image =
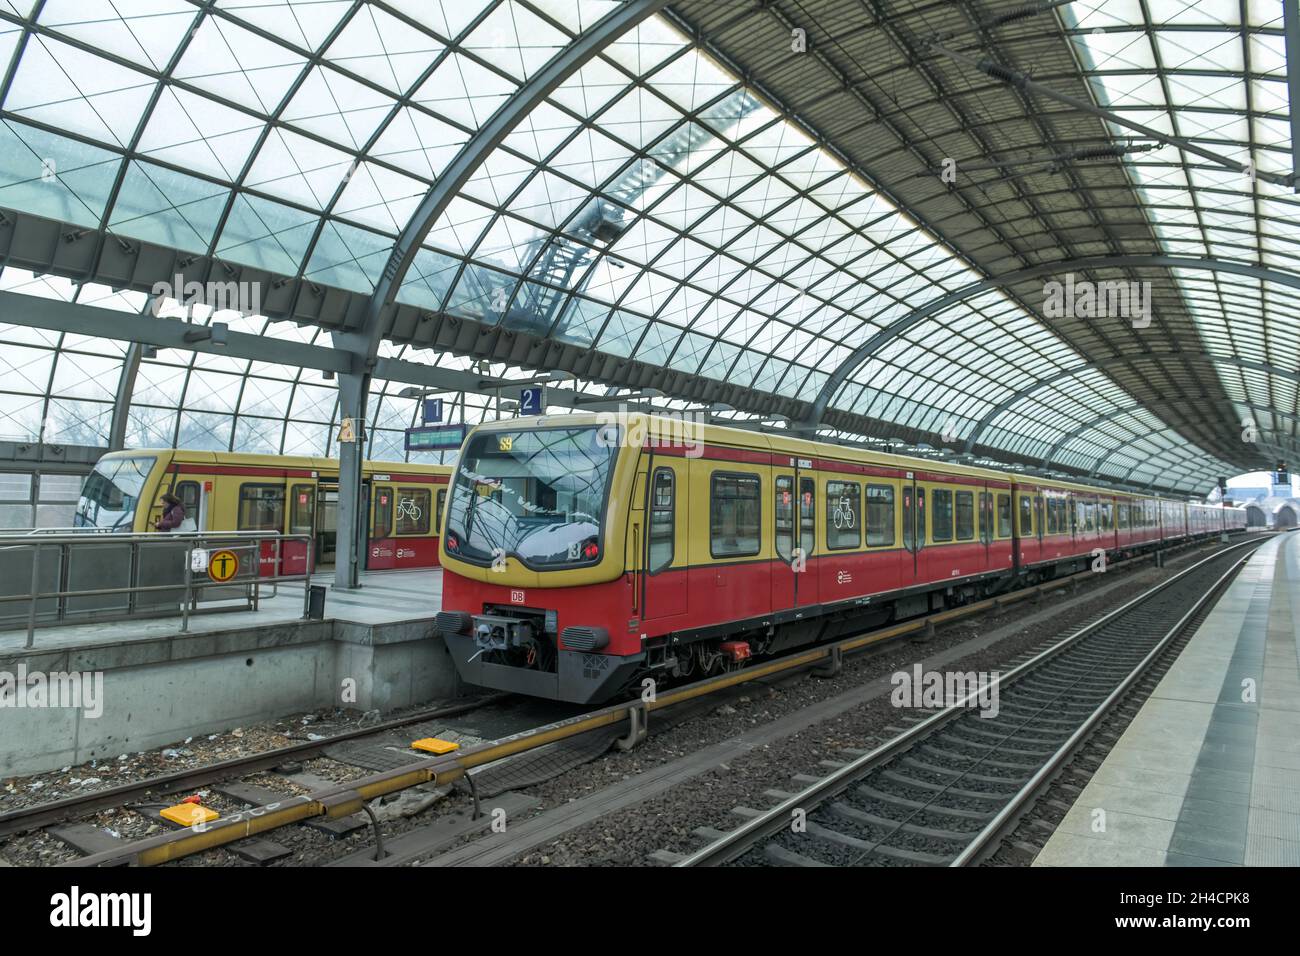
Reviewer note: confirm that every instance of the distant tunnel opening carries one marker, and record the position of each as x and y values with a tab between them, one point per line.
1286	517
1255	517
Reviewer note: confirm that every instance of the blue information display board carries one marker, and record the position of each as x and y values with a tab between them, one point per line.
532	400
435	437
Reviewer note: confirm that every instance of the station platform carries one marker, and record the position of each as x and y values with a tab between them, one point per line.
1208	773
145	683
385	597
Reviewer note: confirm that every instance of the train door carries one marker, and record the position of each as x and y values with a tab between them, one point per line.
327	522
986	525
785	570
295	557
381	548
665	578
911	571
807	585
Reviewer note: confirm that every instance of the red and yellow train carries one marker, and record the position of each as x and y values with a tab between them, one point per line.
287	495
581	556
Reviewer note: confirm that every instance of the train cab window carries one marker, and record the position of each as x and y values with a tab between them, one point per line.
261	507
733	515
437	515
941	515
302	504
880	515
843	515
414	510
662	519
1026	516
382	526
1004	516
965	515
807	515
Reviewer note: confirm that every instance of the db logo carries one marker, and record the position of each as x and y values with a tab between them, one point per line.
516	597
844	577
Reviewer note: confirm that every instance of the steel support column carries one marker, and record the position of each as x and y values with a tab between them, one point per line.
122	399
1291	28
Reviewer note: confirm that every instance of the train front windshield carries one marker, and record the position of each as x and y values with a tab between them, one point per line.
538	495
111	493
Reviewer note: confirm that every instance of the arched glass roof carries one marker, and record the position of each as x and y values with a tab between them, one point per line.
656	207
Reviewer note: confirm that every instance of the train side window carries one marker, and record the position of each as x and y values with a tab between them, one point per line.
1122	509
302	503
1004	516
413	510
1053	525
1026	516
843	515
880	515
941	515
785	517
662	519
382	526
734	515
965	515
986	517
261	507
920	518
807	515
437	517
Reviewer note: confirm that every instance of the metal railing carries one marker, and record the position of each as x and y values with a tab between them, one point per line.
75	577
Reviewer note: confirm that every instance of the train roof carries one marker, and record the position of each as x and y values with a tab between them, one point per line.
190	456
667	427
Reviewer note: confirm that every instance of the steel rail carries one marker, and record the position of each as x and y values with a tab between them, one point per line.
348	798
1030	790
739	841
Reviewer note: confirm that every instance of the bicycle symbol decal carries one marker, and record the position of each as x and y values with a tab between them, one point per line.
843	515
407	508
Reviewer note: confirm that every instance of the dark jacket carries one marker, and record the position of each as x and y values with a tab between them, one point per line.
171	518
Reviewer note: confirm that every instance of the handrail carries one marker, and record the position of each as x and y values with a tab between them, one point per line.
189	586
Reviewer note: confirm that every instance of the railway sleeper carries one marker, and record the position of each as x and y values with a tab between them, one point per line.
991	740
913	857
957	757
1005	784
871	793
973	734
898	826
926	786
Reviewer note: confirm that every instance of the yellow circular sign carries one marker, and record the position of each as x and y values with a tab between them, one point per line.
222	566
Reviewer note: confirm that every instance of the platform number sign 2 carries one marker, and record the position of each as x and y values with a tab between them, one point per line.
532	400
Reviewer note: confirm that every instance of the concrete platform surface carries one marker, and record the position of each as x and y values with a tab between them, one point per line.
1208	773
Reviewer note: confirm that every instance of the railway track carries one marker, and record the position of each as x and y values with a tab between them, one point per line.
949	790
347	800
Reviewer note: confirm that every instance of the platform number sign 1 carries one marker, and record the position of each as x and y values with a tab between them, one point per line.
532	400
432	411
